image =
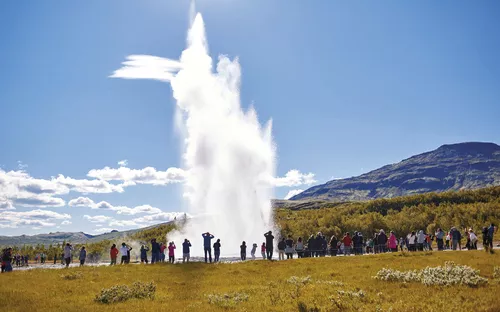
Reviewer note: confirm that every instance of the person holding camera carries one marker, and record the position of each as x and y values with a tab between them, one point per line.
207	237
186	250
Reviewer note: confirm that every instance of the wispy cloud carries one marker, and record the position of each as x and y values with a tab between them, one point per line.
295	178
292	193
147	67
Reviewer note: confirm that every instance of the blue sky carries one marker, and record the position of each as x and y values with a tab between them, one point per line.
350	86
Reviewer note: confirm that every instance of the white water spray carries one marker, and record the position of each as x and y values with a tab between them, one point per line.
228	156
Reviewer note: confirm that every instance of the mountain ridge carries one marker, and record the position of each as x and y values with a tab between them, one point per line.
450	167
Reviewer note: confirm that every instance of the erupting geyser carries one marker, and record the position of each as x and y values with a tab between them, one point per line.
228	156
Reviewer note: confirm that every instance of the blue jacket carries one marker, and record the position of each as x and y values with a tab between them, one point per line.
185	247
207	239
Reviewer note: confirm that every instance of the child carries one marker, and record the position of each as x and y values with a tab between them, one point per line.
171	255
263	251
243	251
254	249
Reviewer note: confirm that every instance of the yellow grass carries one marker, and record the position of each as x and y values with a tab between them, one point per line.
185	287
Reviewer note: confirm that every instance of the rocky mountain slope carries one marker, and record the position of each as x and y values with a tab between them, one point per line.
451	167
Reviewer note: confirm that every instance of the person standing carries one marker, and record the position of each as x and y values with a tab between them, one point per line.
289	247
243	251
269	244
333	246
207	238
162	252
67	254
113	254
473	239
393	242
439	238
185	250
254	249
144	254
171	252
347	240
492	229
83	256
299	248
217	250
155	251
124	251
456	239
281	249
263	250
7	260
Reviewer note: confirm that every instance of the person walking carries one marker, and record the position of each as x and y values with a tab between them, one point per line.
186	250
243	251
207	237
217	250
269	244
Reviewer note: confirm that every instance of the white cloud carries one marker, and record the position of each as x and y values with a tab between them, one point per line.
66	222
38	217
148	175
88	186
292	193
122	223
295	178
101	230
147	67
97	219
162	217
81	202
123	210
136	210
123	163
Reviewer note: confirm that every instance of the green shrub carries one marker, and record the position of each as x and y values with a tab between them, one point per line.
230	300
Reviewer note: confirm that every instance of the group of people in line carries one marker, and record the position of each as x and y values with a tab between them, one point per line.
315	246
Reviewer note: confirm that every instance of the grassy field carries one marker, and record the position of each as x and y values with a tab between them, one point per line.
261	286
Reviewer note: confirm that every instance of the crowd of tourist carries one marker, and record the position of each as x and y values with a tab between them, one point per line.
314	246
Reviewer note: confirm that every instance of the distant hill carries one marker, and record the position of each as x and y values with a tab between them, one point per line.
451	167
73	237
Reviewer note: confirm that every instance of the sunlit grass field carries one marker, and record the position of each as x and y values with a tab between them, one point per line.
259	286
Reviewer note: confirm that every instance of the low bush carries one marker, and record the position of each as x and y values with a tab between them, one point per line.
121	293
226	301
447	275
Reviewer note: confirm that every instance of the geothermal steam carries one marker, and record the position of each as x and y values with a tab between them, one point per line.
228	157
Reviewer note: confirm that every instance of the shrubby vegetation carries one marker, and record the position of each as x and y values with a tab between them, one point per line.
402	214
447	275
120	293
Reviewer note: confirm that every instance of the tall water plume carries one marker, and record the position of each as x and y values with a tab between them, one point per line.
228	156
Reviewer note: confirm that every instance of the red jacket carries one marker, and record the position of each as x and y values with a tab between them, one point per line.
347	241
113	253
